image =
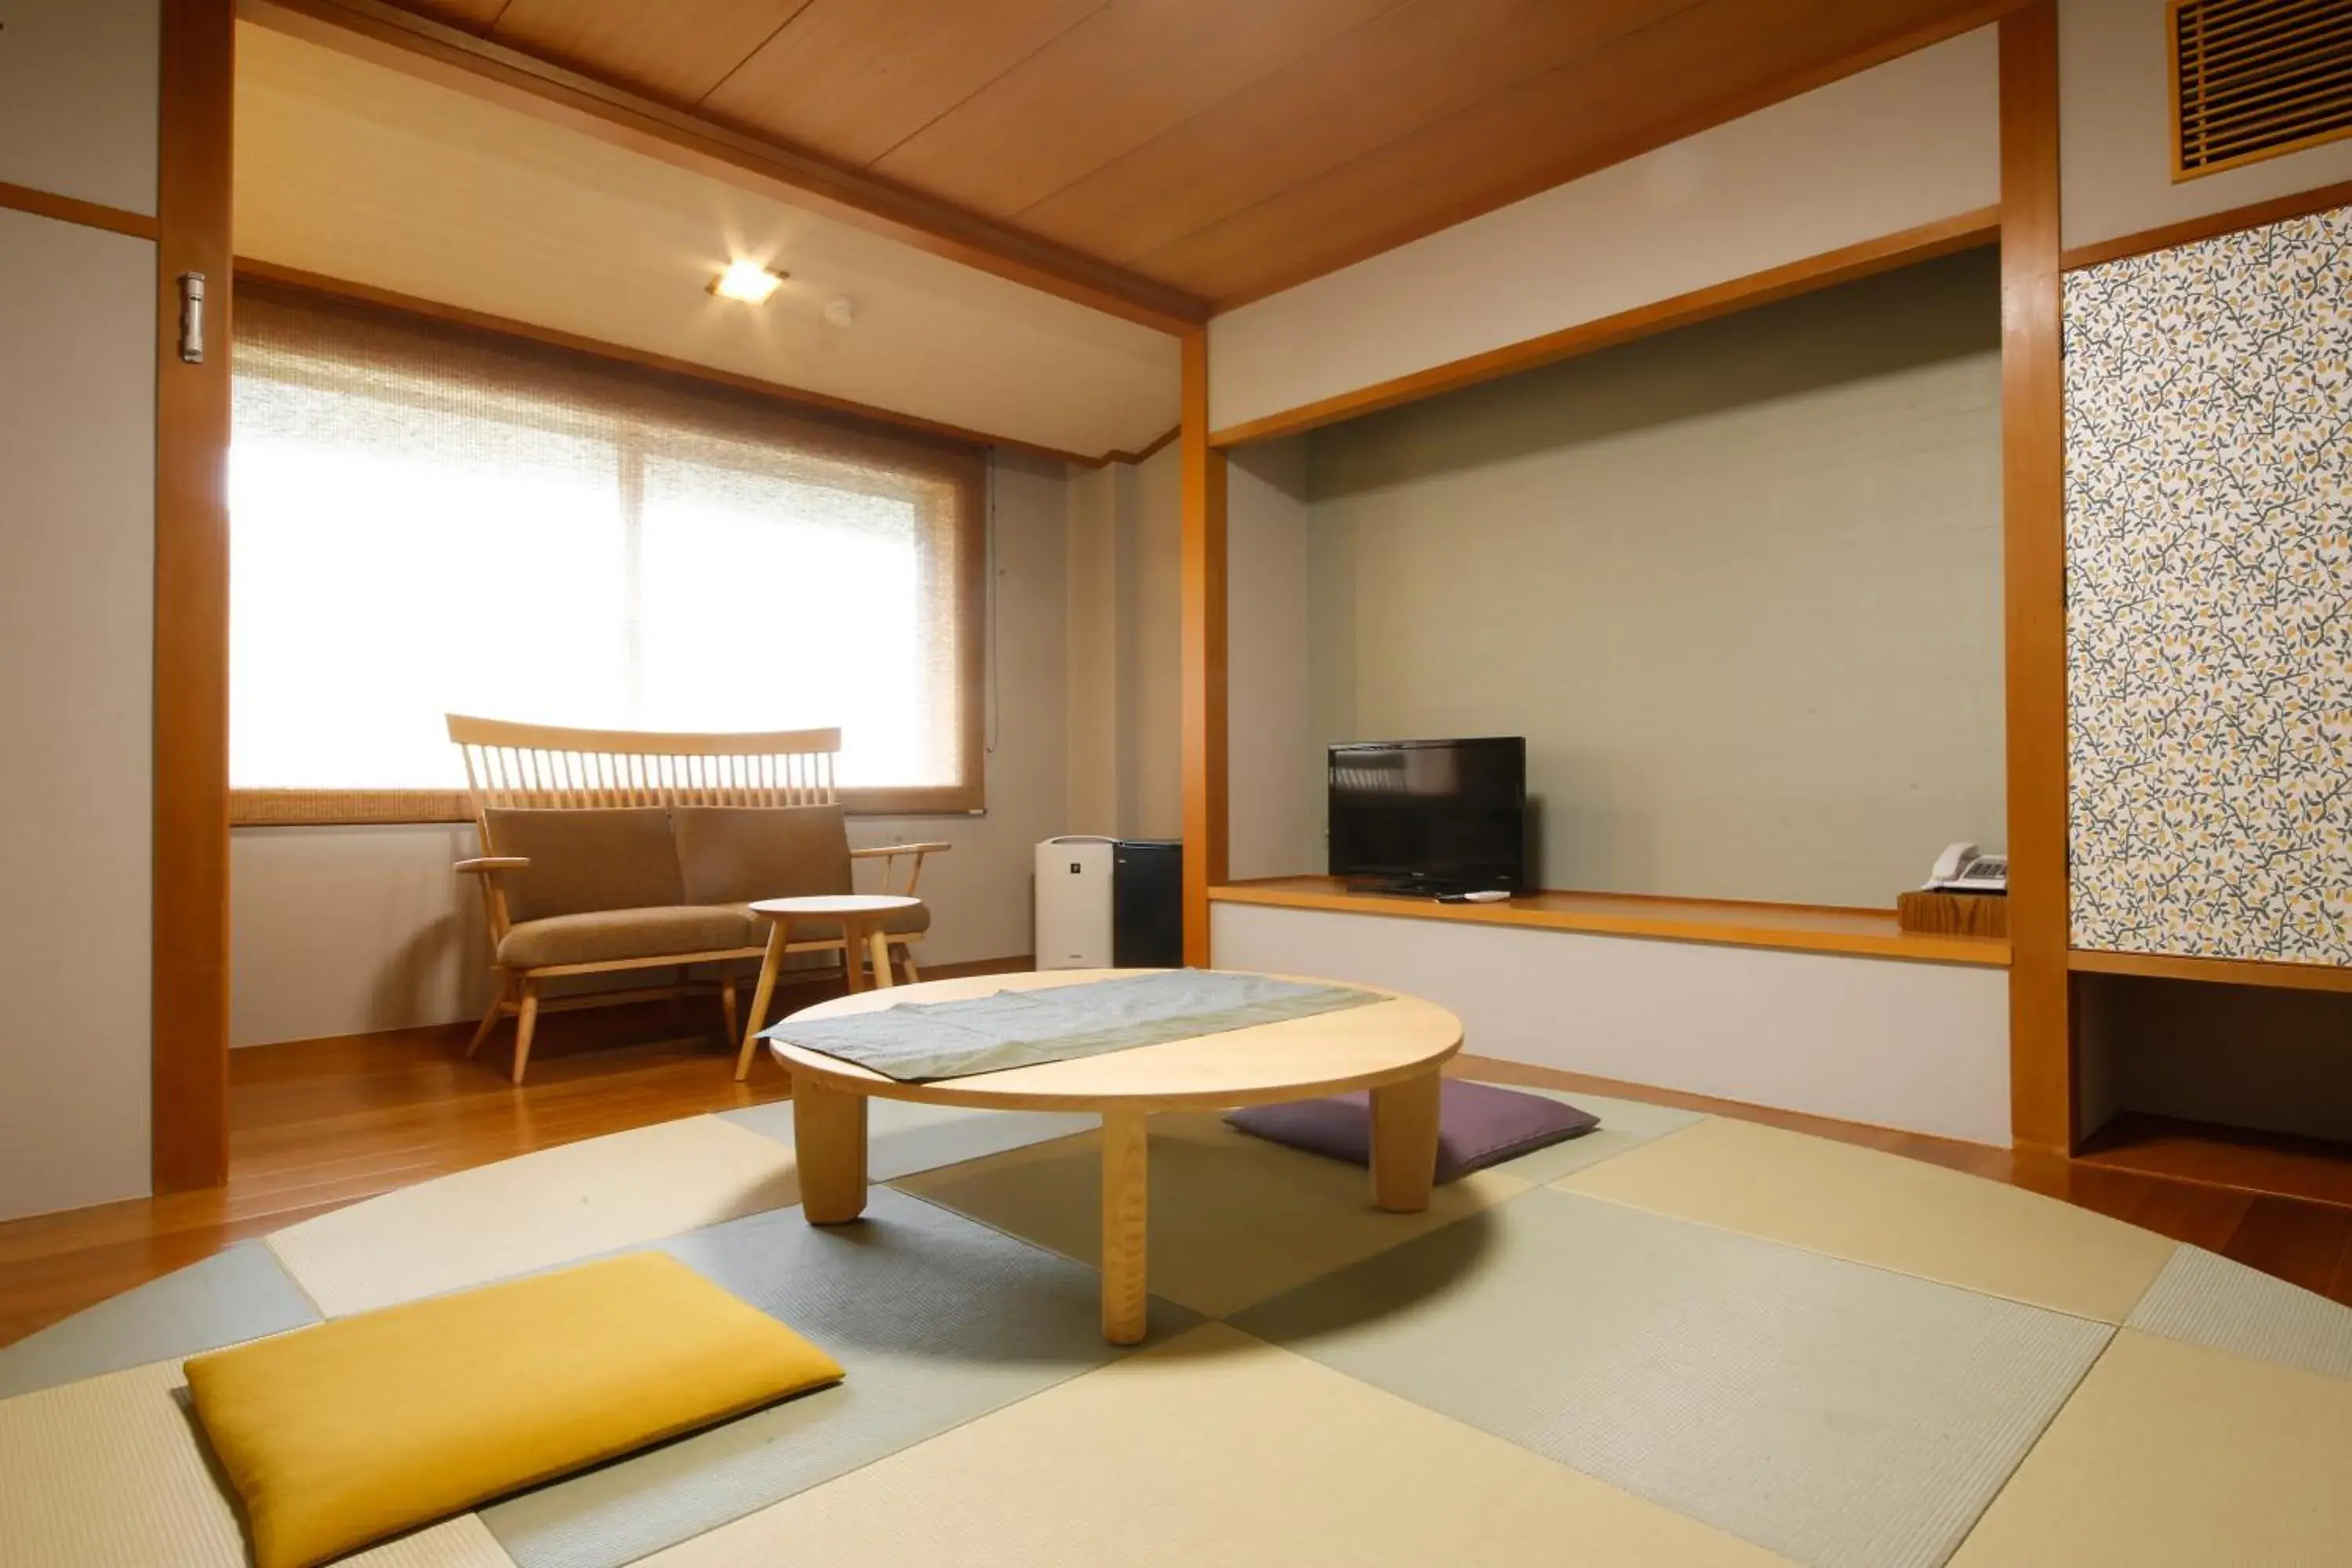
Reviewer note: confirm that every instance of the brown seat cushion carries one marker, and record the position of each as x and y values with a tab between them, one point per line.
900	923
735	854
601	936
587	859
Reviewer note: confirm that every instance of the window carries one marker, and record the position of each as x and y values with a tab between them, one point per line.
427	518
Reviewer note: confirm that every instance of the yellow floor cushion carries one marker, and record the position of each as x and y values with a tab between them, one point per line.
359	1428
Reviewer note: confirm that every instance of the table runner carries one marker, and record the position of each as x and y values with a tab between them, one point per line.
919	1042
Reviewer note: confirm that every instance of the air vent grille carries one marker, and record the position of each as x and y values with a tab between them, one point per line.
2255	79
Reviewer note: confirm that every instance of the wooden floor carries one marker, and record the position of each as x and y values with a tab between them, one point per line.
318	1124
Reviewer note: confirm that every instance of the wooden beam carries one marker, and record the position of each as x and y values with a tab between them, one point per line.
2278	209
2033	432
621	354
1843	265
190	1005
2220	971
1201	593
372	30
72	209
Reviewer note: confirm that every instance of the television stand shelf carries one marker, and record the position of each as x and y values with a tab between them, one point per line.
1800	928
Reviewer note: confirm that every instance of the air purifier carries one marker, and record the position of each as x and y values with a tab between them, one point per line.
1073	902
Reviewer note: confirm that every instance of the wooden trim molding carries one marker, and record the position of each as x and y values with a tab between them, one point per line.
1137	457
2220	971
2278	209
388	35
349	807
1721	922
1201	593
191	938
72	209
1924	243
621	354
2033	438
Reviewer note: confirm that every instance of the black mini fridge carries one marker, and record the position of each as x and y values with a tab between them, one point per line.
1147	903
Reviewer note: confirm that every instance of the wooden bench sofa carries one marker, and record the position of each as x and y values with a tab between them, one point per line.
605	851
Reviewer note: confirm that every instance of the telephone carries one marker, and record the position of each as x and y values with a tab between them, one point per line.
1960	870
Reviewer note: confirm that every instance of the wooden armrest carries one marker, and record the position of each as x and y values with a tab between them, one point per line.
890	855
486	865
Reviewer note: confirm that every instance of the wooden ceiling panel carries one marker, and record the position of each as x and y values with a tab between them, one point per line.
1597	109
1126	74
347	170
1416	64
677	51
853	79
1226	148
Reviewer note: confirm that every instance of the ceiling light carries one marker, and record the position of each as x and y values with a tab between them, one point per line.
748	281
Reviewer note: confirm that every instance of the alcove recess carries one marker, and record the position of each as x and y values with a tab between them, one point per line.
2231	1083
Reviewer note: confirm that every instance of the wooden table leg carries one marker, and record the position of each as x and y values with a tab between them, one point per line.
1126	1210
877	945
852	953
770	963
1404	1143
829	1147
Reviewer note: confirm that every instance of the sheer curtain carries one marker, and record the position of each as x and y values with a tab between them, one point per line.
427	518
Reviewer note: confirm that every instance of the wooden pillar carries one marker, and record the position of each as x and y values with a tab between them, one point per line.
190	1027
1202	592
2032	434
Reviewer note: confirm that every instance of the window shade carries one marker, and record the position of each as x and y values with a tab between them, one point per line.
429	518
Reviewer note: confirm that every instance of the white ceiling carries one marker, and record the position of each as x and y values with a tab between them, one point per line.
358	171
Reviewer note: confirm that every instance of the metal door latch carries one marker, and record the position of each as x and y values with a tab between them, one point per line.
192	317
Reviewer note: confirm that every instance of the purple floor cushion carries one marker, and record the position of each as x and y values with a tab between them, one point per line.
1478	1125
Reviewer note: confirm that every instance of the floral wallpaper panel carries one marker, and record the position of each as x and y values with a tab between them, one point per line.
2209	597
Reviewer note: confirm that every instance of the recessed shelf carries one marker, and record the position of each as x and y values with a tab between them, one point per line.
1797	928
2222	970
2243	1158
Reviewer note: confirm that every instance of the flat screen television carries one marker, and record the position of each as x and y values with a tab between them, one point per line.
1431	816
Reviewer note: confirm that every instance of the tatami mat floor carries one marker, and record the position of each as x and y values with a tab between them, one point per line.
1681	1341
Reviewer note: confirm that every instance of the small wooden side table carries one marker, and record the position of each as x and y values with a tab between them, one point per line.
861	915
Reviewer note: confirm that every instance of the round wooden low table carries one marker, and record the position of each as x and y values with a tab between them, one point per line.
861	915
1392	1048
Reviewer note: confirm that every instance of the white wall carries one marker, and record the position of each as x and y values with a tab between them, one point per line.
1907	142
1738	585
1099	502
1275	772
1126	694
338	931
343	930
1920	1047
79	99
2114	136
1153	795
77	608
